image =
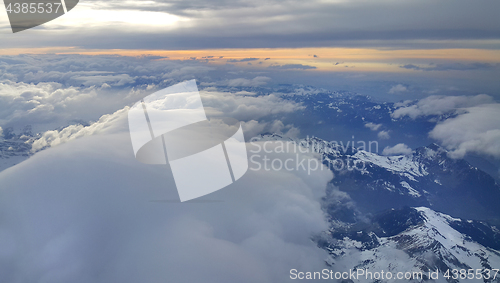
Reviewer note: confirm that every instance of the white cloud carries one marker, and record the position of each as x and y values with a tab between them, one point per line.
56	90
373	126
398	89
89	212
1	132
477	131
233	24
474	126
115	80
262	228
22	103
50	105
439	105
400	148
253	111
106	124
383	135
187	72
257	81
246	108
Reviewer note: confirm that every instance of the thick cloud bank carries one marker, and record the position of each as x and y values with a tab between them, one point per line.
476	131
197	24
400	148
51	91
472	123
439	105
87	211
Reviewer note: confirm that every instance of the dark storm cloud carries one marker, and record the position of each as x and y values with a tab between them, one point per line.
292	23
242	60
452	67
292	67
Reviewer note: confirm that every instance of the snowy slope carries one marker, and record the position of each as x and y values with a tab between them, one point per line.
430	244
426	177
14	150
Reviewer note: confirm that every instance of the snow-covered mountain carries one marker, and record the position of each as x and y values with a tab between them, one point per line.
426	177
417	240
373	226
15	148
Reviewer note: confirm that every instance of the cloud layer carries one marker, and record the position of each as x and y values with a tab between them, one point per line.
54	91
439	105
400	148
477	131
89	212
453	67
469	124
276	23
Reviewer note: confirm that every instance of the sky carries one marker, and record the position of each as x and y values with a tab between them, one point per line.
84	210
196	24
451	45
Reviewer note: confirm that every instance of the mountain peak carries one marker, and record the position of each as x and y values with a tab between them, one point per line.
436	147
432	152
